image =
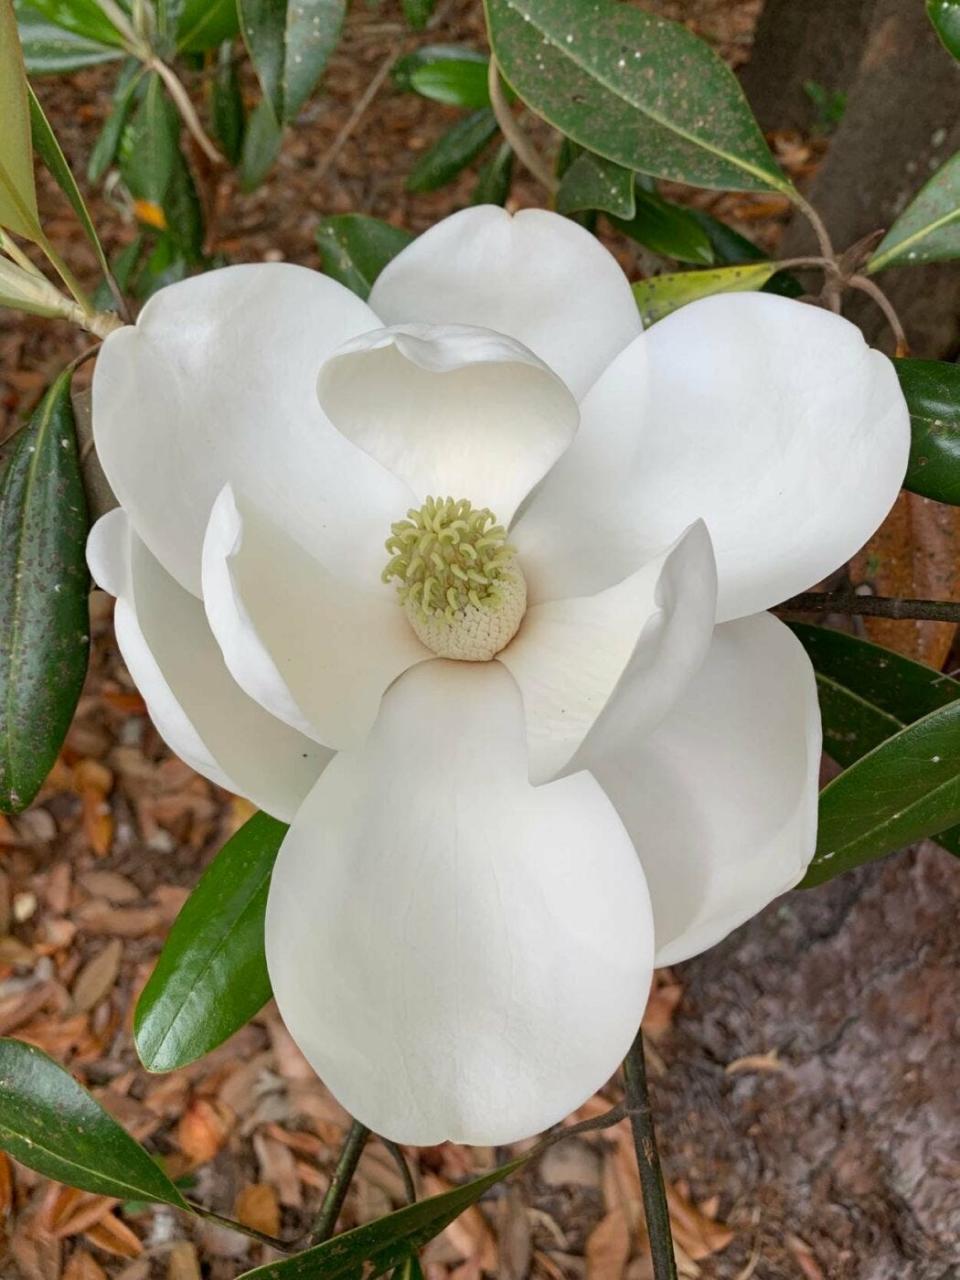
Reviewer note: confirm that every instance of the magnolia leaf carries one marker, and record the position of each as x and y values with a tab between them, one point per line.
591	182
49	49
667	229
929	229
261	145
205	24
633	87
493	181
289	43
44	627
104	149
945	16
417	12
903	790
377	1247
79	17
457	148
356	248
456	83
932	390
48	148
50	1123
34	293
428	55
226	105
211	977
659	295
18	195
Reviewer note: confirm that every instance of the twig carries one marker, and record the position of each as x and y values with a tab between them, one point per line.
872	606
400	1160
648	1162
832	284
362	103
872	290
326	1219
523	148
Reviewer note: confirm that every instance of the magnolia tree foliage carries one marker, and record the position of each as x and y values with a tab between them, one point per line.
481	623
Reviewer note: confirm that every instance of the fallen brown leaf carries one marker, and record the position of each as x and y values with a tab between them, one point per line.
769	1061
83	1267
114	1236
608	1247
182	1262
203	1129
97	977
257	1207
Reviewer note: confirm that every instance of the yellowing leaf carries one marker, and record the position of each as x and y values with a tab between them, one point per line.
18	195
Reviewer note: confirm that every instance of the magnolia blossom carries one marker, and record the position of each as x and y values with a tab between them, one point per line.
466	584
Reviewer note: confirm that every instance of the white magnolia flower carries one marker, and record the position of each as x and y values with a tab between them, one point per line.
466	911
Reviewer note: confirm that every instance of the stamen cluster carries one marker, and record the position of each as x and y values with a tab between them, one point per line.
448	556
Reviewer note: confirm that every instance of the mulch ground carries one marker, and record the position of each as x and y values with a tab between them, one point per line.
805	1094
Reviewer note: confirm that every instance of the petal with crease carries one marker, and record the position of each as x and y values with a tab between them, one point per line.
216	384
533	275
197	708
721	798
459	955
770	419
451	410
570	657
315	651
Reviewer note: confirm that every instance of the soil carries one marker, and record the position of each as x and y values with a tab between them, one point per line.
805	1073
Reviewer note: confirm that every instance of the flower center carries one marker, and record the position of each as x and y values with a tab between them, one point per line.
457	578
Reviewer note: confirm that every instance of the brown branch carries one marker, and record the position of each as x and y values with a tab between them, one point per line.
872	606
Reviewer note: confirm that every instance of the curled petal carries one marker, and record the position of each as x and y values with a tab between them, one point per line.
769	419
216	384
197	708
316	651
533	275
721	798
451	410
571	658
459	955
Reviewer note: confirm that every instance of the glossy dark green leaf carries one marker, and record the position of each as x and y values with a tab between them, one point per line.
104	150
417	12
428	55
211	977
903	790
356	248
591	182
44	626
635	88
50	50
945	16
48	149
18	195
289	43
370	1250
261	145
928	230
457	148
932	389
149	146
80	17
226	104
409	1270
493	180
658	296
50	1123
456	84
667	229
205	24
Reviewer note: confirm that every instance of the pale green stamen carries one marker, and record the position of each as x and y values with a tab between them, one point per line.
447	557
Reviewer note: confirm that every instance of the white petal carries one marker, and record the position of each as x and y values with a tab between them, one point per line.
216	383
316	652
571	658
451	410
198	710
533	275
769	419
459	955
721	798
